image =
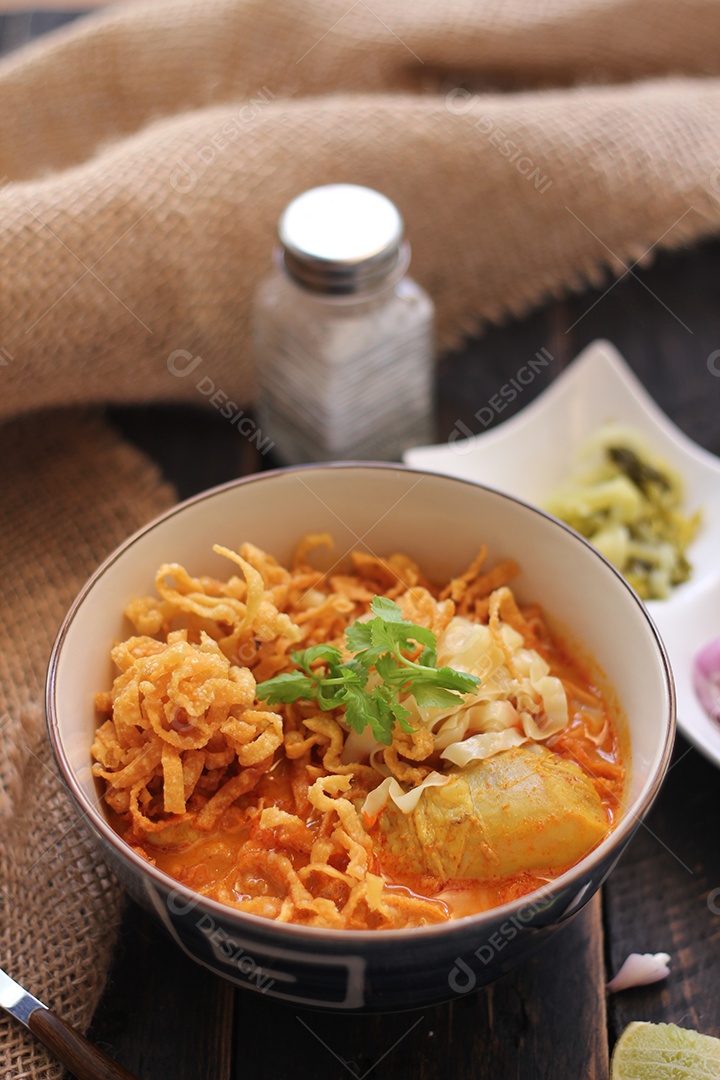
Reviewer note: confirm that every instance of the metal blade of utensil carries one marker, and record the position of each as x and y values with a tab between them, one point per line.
83	1059
16	1000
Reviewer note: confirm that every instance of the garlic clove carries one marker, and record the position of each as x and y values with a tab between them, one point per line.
640	969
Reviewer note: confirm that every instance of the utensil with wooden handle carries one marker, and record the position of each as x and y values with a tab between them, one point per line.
79	1055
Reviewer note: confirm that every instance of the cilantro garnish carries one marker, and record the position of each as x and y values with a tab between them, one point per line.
379	644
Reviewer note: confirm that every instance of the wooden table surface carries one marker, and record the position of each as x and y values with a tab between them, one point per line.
162	1016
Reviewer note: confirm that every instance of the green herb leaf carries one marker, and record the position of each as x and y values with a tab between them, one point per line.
431	696
358	636
307	657
379	644
456	680
290	686
387	609
428	657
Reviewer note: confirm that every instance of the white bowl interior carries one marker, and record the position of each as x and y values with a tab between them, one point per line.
438	521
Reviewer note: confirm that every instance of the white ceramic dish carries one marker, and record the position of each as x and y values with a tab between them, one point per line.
529	454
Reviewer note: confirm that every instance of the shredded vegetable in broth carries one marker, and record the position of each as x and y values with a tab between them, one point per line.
360	750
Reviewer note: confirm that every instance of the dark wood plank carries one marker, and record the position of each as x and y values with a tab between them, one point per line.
510	1031
671	358
195	447
162	1014
664	896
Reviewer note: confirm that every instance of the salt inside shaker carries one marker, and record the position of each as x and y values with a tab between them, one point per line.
344	338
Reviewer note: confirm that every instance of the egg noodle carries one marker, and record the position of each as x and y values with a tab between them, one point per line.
282	810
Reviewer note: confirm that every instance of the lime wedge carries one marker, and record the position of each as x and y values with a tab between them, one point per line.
664	1052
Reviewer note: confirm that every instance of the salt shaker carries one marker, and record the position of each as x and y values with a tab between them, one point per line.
344	339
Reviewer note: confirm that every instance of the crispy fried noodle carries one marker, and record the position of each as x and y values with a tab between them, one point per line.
286	811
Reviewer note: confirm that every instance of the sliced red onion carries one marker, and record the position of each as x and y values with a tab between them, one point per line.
640	969
706	678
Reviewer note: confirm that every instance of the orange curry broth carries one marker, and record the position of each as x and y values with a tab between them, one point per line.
223	864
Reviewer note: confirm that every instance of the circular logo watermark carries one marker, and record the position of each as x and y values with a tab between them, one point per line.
713	363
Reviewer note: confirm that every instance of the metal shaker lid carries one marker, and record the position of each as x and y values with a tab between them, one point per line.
342	238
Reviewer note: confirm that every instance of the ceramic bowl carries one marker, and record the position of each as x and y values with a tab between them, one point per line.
440	522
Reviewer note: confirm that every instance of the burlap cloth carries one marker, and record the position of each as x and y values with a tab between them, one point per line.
532	146
69	492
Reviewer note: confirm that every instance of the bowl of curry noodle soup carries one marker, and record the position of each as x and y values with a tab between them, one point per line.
360	737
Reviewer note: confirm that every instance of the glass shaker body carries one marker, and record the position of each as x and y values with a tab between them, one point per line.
345	374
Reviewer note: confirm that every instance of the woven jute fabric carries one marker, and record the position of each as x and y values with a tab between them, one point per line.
532	146
70	491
